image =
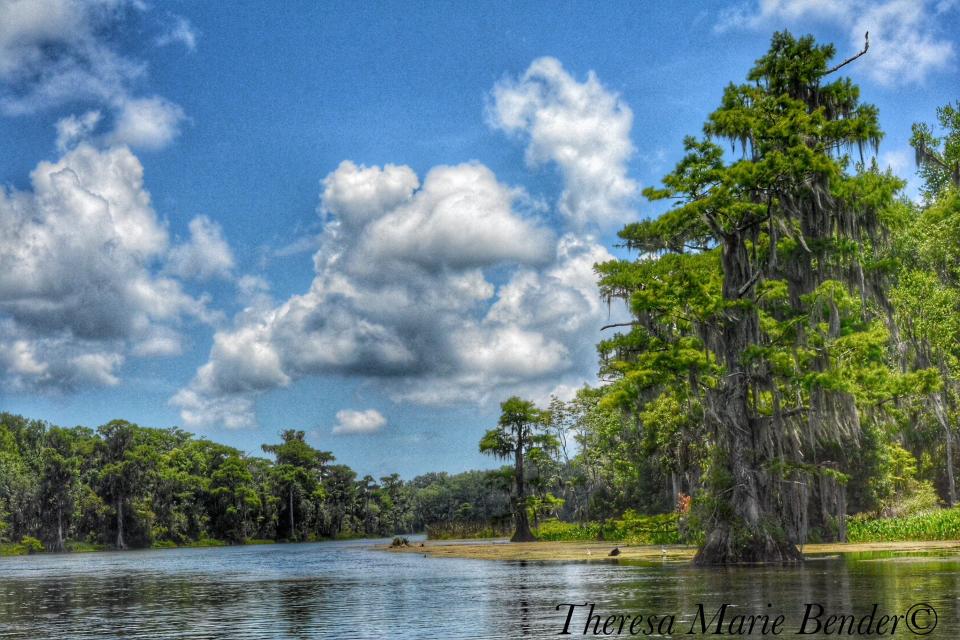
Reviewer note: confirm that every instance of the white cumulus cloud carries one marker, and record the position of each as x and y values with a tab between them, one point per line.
81	276
56	52
583	128
351	422
146	123
205	255
403	293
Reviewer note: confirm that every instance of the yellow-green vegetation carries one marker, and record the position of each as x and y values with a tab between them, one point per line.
203	542
928	525
80	546
632	528
27	545
942	524
466	530
206	542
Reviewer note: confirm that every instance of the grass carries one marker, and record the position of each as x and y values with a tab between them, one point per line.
636	529
82	546
28	545
632	528
203	542
942	524
932	525
206	542
467	530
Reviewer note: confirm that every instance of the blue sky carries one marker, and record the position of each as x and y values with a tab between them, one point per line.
370	223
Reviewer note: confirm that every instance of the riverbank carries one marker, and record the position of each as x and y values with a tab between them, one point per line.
599	551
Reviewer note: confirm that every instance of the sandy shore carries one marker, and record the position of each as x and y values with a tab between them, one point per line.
598	551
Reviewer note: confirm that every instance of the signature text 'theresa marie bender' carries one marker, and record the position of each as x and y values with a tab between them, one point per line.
583	619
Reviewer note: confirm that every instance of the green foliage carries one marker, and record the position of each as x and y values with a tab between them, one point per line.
762	346
631	528
941	524
31	544
80	546
28	545
80	489
458	530
938	156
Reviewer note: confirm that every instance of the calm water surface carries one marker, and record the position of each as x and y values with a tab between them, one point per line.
347	590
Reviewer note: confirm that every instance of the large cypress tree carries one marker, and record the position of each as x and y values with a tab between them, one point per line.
769	318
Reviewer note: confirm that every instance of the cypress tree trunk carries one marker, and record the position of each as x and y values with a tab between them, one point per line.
951	483
292	528
59	546
744	532
941	414
121	543
522	522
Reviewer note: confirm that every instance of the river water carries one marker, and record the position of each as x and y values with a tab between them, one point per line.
349	590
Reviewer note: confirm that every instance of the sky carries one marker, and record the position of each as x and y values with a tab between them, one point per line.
372	222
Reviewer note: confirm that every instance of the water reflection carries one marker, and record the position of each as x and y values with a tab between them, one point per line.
340	590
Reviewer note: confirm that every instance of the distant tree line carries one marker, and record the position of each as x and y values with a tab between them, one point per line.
125	486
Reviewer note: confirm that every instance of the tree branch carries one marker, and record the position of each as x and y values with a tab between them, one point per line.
749	283
866	47
619	324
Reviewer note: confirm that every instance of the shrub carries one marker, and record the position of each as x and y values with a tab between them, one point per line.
632	528
31	544
462	530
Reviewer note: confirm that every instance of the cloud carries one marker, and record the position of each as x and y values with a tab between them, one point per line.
59	52
404	293
146	123
461	218
757	15
81	282
52	51
900	161
582	128
539	333
907	41
350	422
356	195
72	129
229	411
904	36
159	341
179	31
205	255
